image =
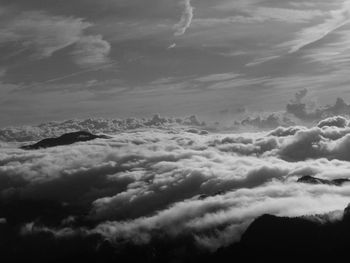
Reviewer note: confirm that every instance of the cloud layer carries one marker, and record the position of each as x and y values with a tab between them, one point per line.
147	184
96	125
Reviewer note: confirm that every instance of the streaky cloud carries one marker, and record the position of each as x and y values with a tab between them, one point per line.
338	18
186	18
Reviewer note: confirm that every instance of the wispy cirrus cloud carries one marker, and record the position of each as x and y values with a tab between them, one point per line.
186	18
92	51
42	34
337	18
255	15
335	53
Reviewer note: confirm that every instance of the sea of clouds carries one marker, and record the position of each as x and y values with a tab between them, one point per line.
148	183
95	125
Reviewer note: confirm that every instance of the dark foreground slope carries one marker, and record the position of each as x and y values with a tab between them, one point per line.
268	239
65	139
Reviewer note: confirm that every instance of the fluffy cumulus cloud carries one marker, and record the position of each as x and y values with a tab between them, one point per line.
337	121
144	185
298	110
270	121
301	110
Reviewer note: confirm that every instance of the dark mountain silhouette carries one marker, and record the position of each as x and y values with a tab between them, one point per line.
281	239
297	239
65	139
268	239
314	180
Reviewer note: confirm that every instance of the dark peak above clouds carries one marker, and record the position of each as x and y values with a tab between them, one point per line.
268	238
303	239
314	180
94	125
65	139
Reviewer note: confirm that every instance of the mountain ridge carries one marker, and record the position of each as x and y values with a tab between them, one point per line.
65	139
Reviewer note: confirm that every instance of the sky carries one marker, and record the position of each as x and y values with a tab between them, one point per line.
215	112
122	58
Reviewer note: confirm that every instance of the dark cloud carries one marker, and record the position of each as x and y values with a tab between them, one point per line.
300	95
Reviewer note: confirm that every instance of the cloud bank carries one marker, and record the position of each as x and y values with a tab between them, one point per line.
297	111
95	125
300	110
153	184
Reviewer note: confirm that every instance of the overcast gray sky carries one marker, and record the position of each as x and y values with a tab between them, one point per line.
119	58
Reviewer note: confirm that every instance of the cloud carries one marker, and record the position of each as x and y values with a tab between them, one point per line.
254	14
173	45
270	121
218	77
299	109
336	121
92	51
42	34
300	95
159	182
310	35
334	53
109	126
186	18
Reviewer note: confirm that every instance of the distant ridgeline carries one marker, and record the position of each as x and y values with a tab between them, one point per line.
314	180
94	125
65	139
